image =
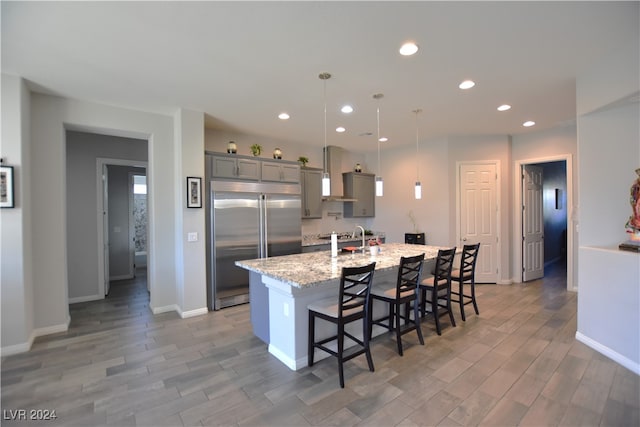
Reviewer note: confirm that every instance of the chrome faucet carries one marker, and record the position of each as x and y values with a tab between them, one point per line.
353	235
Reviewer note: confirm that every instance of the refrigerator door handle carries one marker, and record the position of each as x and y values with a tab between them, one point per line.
263	227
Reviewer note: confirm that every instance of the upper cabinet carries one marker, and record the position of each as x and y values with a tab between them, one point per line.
233	166
311	186
280	172
359	186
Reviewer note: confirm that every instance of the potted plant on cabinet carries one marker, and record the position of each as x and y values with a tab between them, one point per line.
256	149
303	161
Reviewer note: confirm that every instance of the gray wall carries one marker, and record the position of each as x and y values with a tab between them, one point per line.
82	224
120	255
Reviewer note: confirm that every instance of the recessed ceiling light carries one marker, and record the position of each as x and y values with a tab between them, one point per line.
347	109
528	123
504	107
408	49
283	116
340	129
467	84
383	139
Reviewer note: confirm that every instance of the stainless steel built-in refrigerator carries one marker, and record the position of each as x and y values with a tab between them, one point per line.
248	220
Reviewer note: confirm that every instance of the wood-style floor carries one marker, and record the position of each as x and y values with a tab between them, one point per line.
517	363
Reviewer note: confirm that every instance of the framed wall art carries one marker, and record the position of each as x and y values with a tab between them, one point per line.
6	187
194	192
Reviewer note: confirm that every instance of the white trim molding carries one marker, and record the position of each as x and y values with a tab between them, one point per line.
26	346
611	354
193	313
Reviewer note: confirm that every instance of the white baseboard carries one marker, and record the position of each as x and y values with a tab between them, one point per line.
26	346
85	298
164	309
193	313
505	282
611	354
121	277
292	364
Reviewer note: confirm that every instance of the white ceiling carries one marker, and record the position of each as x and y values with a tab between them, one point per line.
242	63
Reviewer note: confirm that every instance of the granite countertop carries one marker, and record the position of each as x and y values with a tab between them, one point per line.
323	239
311	269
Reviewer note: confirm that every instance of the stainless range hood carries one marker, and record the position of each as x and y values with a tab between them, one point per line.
334	167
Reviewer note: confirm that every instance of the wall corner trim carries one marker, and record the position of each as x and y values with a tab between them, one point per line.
193	313
611	354
26	346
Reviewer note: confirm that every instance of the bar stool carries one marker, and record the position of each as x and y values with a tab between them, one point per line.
353	303
436	290
466	273
403	292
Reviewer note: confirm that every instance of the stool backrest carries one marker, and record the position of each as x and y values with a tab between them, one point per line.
468	260
355	286
444	264
409	274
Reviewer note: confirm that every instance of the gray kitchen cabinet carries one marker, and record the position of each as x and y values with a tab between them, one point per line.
311	186
359	186
280	172
235	167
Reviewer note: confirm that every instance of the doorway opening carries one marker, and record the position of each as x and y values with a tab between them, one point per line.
138	227
124	220
552	213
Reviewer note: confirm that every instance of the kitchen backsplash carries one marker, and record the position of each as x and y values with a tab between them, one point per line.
333	220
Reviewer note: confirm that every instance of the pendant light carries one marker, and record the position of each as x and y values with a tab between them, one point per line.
379	183
326	181
418	187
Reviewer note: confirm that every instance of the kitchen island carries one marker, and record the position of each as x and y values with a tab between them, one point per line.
280	288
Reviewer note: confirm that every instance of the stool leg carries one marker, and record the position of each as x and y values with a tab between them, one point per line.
340	353
366	334
416	319
453	321
461	299
311	338
398	335
434	310
473	296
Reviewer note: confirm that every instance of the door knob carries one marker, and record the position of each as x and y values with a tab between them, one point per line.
464	239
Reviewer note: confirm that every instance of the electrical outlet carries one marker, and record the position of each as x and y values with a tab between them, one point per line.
192	237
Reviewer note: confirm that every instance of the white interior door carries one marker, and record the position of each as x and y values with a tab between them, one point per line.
532	223
105	225
479	216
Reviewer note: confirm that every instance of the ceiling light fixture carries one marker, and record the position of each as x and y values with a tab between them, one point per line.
379	183
504	107
418	188
347	109
528	123
283	116
408	49
340	129
467	84
326	181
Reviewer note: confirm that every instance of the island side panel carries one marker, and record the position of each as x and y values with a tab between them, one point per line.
259	306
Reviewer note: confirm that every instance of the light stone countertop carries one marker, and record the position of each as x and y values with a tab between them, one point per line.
320	239
311	269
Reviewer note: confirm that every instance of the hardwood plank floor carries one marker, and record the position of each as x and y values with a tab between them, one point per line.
517	363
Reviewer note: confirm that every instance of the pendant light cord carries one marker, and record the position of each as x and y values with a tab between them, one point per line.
325	125
417	159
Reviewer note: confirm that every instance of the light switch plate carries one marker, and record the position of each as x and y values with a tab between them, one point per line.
192	237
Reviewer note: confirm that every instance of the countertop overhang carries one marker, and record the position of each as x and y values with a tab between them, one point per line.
314	268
